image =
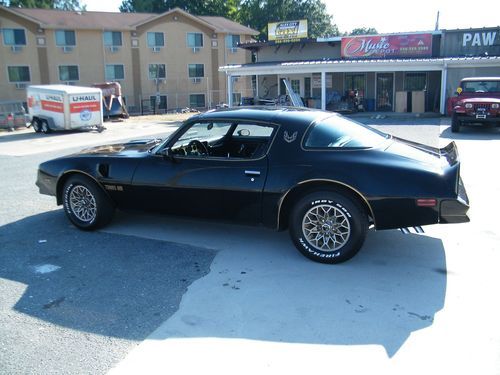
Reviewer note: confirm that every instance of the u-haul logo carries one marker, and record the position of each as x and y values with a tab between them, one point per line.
84	98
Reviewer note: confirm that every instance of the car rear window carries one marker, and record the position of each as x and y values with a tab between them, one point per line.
340	132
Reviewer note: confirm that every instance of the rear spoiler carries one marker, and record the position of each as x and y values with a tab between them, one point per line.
450	152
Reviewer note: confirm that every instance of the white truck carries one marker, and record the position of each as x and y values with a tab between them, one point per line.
63	107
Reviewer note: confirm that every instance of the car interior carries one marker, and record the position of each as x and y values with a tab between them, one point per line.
224	140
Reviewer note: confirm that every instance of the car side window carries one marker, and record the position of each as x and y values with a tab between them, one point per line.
200	138
250	141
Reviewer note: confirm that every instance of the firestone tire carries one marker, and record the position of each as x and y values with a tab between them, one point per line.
455	124
328	227
86	205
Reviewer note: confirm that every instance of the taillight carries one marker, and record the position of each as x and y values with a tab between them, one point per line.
426	202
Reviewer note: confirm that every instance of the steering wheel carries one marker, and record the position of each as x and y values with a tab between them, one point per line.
195	146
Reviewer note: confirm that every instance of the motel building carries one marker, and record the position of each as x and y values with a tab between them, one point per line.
402	72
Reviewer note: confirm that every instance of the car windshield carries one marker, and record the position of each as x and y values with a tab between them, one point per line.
481	86
340	132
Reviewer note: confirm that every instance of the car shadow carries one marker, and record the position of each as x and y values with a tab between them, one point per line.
470	132
28	135
126	286
261	288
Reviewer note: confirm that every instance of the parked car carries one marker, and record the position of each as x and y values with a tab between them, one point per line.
12	115
477	102
324	177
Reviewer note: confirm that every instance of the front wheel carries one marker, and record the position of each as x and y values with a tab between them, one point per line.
455	124
86	205
328	227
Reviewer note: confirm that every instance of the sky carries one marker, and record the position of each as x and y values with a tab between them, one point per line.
390	15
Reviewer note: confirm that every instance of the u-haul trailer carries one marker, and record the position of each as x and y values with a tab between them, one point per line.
62	107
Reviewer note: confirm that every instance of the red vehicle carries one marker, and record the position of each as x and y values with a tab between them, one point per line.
477	102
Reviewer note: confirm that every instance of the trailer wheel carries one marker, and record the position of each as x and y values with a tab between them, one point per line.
45	127
36	125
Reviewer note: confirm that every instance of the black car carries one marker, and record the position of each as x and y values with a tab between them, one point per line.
324	177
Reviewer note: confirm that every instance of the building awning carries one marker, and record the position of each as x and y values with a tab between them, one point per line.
361	65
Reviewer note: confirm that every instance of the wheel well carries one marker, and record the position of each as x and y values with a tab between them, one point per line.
62	180
294	195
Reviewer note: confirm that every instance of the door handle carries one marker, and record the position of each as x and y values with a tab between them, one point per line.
252	173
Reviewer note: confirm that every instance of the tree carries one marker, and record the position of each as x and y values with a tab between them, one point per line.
258	13
364	31
222	8
48	4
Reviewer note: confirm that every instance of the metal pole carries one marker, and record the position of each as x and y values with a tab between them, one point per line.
230	90
444	79
323	91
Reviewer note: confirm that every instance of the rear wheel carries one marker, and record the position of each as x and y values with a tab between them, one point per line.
45	127
85	203
328	227
455	124
36	125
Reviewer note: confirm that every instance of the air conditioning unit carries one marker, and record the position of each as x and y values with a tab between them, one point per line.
16	49
196	49
20	86
233	50
114	49
196	80
156	49
68	49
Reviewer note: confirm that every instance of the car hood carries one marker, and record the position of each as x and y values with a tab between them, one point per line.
130	148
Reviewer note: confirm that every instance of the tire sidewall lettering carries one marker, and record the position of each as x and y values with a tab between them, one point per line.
67	205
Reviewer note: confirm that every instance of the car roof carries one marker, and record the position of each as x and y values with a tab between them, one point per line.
480	79
268	114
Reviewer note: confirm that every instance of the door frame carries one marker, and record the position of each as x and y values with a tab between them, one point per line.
393	89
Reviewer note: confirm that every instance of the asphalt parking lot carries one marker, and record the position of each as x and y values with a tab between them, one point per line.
157	294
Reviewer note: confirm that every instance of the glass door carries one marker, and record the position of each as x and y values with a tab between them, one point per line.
385	91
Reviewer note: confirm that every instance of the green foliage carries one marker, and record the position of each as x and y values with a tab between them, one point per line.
257	14
253	13
222	8
48	4
364	31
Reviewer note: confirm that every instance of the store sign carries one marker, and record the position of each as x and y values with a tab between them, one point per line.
287	32
471	42
401	45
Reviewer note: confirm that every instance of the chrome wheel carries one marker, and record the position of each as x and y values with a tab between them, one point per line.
82	203
326	227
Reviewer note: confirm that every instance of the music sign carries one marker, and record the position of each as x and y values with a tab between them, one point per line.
376	46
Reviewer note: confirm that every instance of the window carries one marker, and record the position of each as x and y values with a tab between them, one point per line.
355	82
232	41
415	81
197	100
157	71
481	86
14	37
196	70
295	86
112	38
65	38
115	72
68	73
252	130
156	40
194	40
339	132
307	87
237	98
19	73
162	104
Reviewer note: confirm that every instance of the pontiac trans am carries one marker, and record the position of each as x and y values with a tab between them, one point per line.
324	177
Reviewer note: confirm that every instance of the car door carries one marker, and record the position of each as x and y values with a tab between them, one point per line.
226	186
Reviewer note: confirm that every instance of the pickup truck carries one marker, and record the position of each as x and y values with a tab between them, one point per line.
477	102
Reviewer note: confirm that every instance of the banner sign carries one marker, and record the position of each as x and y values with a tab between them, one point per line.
287	32
376	46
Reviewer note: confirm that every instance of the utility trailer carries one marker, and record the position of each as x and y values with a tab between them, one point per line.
64	107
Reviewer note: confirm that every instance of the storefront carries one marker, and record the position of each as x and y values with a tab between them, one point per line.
397	72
